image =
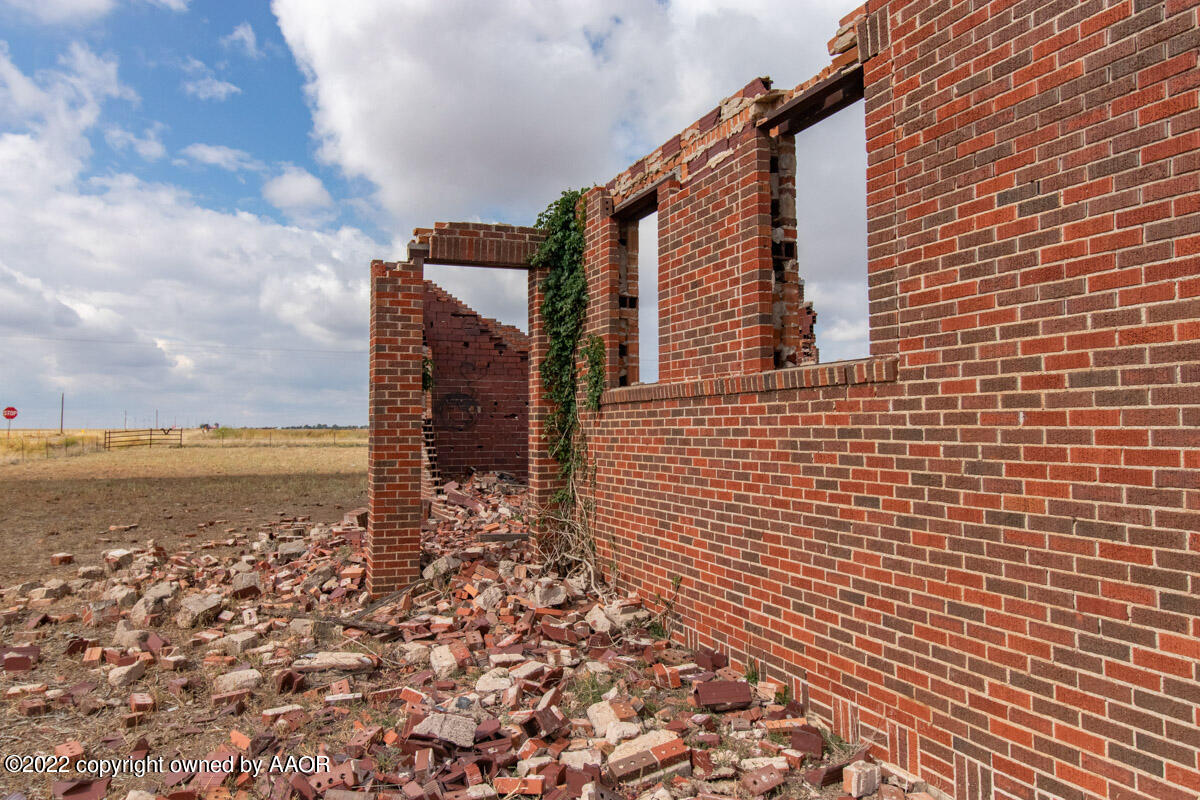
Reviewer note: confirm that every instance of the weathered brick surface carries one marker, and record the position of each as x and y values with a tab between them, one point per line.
476	244
394	449
543	470
480	388
978	549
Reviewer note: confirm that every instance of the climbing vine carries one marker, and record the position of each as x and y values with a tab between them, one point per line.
426	374
564	303
593	356
569	542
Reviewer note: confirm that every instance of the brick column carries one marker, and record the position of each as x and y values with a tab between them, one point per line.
754	231
543	470
601	260
394	460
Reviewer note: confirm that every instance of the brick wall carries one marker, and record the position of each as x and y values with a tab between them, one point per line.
476	386
480	388
979	549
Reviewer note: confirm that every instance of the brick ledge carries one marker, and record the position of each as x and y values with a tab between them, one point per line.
837	373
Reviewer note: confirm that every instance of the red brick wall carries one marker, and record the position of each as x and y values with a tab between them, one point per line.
480	389
394	449
980	548
715	265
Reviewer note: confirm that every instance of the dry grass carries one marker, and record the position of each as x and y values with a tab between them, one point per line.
176	496
273	437
23	445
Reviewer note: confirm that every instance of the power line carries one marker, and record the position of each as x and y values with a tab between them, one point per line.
175	346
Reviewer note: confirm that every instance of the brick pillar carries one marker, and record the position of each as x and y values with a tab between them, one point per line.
543	470
394	459
602	254
754	223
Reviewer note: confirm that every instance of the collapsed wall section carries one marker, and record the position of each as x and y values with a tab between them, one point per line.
480	395
397	401
978	548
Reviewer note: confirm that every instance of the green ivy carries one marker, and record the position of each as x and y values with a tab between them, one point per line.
593	356
564	303
426	374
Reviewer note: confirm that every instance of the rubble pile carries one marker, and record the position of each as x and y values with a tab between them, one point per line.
490	677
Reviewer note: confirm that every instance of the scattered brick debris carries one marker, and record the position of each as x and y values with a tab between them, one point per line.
491	677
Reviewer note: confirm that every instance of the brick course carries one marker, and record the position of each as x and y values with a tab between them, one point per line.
978	548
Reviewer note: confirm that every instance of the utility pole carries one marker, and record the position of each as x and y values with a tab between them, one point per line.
156	417
126	425
62	407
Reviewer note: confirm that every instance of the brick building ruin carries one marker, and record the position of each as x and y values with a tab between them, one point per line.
978	548
479	404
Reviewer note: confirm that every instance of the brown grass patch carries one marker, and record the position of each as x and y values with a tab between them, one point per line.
179	497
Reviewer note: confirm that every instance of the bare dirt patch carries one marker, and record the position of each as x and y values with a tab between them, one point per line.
174	496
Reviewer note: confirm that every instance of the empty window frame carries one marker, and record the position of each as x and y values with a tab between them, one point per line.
819	230
638	335
831	234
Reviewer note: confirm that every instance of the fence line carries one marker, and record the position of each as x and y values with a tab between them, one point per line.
144	437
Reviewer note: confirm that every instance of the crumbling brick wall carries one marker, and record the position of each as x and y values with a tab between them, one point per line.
978	549
480	388
399	296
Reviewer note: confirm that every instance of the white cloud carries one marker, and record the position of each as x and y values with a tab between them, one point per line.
149	146
204	83
77	12
504	107
129	294
55	12
242	38
210	88
491	114
299	194
217	155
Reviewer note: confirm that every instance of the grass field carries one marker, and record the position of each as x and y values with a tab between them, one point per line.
22	445
176	496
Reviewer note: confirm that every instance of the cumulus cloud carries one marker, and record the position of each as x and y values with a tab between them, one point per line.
242	38
489	115
299	194
149	146
218	155
130	294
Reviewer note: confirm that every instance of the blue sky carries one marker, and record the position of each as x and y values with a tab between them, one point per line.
191	192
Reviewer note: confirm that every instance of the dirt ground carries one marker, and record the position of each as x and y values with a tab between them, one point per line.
174	496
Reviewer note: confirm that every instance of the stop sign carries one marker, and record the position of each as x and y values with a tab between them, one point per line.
10	413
